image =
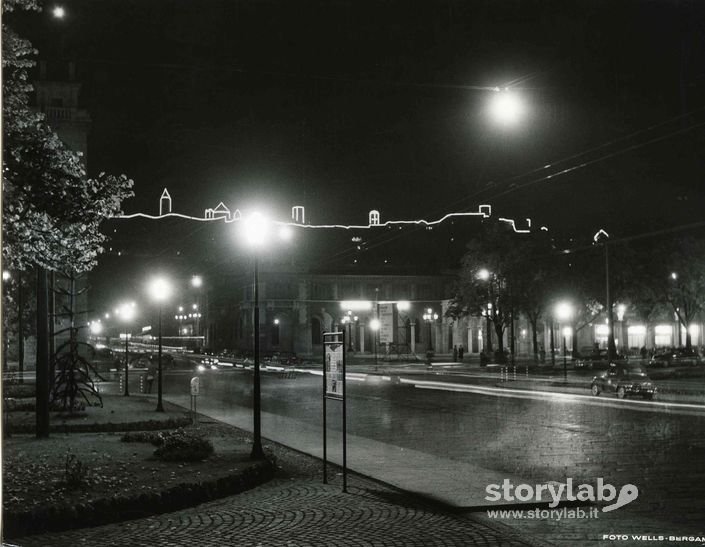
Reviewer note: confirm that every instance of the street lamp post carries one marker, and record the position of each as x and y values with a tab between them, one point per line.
160	289
485	275
126	313
429	317
347	319
374	325
564	312
256	235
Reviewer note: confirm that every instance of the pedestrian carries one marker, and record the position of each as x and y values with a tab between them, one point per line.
151	373
461	351
483	359
455	353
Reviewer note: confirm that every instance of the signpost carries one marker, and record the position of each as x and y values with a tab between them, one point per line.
195	392
334	388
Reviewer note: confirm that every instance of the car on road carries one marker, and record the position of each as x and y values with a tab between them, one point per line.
282	358
624	379
208	363
676	358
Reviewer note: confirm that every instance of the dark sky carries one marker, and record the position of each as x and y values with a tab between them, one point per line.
345	106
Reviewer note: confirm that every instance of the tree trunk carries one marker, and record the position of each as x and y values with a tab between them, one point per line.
499	331
42	372
20	328
534	337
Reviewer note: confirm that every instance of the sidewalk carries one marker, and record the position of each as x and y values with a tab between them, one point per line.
451	482
299	512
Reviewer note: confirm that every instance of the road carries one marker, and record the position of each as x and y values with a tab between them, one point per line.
448	429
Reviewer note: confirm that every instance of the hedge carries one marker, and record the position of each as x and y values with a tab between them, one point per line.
56	518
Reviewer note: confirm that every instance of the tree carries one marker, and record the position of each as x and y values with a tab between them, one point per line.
534	280
52	212
675	283
489	281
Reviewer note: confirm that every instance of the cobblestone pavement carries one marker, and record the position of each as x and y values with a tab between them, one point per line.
296	513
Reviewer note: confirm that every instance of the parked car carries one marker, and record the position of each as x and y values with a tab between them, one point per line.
676	358
596	360
624	379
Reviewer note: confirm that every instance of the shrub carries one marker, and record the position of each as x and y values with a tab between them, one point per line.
17	405
185	446
151	437
18	390
75	473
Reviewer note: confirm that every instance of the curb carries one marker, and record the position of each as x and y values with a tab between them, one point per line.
106	427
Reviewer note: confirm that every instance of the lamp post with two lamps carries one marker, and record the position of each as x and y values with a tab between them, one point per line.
256	235
159	290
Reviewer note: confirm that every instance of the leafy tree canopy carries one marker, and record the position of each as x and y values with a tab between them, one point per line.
52	211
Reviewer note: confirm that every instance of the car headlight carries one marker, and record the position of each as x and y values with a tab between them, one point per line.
201	368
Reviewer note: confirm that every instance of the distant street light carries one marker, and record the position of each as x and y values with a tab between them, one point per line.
374	325
58	12
485	275
126	313
6	275
430	317
256	234
564	312
347	320
160	290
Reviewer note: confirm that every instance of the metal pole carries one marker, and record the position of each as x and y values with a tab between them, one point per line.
611	350
565	362
127	359
257	452
345	425
160	407
553	349
325	440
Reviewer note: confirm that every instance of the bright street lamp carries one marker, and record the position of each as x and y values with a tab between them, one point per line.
506	107
58	12
160	290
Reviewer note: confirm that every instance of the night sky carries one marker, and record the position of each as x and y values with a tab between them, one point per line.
345	106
